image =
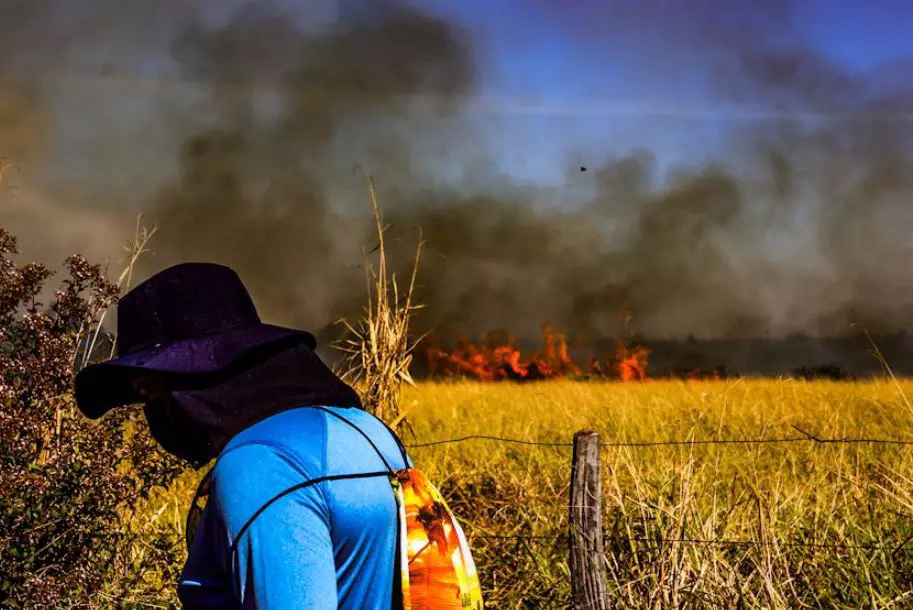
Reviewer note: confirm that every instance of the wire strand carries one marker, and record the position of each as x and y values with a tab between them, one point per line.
488	438
905	546
807	438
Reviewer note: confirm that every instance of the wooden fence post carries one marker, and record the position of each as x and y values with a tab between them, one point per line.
587	555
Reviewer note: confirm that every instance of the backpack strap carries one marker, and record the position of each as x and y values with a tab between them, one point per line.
204	487
399	443
195	512
294	488
390	472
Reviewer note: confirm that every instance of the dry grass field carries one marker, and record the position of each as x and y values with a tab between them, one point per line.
793	524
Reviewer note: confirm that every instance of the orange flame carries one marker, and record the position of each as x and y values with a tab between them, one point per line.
504	361
632	364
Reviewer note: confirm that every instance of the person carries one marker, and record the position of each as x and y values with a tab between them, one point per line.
300	514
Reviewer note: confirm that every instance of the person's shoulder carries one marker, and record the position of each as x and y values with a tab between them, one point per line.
348	430
248	476
298	434
296	424
283	450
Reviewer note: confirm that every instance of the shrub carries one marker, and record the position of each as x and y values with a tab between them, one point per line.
67	484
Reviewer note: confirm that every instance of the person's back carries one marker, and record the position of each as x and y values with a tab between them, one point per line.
330	544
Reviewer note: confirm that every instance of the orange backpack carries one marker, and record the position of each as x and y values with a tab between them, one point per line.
440	574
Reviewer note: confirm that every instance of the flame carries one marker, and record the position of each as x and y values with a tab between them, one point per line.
632	363
494	360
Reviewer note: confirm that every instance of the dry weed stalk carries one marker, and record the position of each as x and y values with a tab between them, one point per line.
884	363
135	249
5	166
378	352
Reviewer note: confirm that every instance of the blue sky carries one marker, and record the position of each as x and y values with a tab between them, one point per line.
860	34
546	60
559	82
561	88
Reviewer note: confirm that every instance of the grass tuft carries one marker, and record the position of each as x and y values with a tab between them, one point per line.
378	351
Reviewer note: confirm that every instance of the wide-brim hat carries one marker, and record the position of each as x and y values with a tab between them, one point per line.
189	320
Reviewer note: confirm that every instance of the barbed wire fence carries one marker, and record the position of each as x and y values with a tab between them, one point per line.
585	595
806	437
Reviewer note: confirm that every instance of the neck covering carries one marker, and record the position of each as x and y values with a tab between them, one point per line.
204	412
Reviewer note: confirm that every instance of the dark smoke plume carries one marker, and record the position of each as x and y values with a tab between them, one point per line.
799	226
802	231
254	192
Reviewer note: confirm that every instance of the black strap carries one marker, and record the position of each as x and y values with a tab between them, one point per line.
337	477
194	513
398	572
399	444
294	488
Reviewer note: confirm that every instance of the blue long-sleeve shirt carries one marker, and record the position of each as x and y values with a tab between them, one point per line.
326	546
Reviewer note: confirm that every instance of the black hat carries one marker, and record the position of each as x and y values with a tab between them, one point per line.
193	318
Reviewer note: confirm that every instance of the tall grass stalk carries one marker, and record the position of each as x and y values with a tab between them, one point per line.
135	249
378	350
887	367
5	166
87	337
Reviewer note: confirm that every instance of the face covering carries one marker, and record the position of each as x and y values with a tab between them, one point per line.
196	424
171	433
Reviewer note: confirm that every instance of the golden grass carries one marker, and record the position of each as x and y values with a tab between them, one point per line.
774	496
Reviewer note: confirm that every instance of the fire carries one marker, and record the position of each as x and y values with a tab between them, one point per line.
632	362
494	360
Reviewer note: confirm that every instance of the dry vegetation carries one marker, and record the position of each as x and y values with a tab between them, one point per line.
776	497
67	484
378	351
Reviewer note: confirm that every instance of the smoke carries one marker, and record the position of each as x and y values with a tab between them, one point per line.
801	230
254	189
798	226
